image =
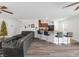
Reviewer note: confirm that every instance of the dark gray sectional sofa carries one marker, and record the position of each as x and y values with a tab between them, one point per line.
17	46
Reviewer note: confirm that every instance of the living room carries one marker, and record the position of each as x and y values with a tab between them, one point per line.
39	29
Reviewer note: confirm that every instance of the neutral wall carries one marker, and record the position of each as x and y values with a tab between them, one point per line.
12	26
58	26
26	25
72	25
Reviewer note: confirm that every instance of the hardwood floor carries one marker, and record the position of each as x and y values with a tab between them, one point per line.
40	48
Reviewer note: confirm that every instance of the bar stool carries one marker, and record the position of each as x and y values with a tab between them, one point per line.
46	35
59	36
39	34
68	36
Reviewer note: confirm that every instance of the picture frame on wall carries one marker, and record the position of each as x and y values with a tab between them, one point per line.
32	26
25	26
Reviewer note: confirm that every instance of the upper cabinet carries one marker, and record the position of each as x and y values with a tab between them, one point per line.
43	24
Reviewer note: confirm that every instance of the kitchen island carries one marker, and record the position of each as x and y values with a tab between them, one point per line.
53	38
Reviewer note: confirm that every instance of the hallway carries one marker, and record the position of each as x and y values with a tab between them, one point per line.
40	48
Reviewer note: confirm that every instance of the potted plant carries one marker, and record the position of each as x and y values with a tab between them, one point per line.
3	30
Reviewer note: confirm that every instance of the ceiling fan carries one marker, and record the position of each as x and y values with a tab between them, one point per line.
3	9
72	5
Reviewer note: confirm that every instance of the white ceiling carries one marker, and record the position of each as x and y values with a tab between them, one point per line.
36	10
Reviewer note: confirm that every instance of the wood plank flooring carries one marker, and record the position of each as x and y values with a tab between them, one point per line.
41	48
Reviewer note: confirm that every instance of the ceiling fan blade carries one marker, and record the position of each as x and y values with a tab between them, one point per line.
7	11
77	8
4	7
71	4
0	12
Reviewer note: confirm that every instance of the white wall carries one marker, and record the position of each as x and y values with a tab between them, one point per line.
27	23
72	25
59	25
12	26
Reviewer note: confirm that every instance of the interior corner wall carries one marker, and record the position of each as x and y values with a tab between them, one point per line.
72	25
12	26
58	26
